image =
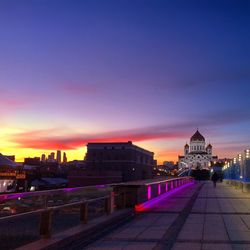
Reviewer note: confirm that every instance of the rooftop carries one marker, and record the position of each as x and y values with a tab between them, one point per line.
197	136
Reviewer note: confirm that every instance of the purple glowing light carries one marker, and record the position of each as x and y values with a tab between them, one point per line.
159	189
166	186
14	196
149	192
101	186
150	203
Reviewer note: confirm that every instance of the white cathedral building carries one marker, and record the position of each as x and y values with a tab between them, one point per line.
197	155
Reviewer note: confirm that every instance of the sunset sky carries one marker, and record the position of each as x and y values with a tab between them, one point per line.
73	72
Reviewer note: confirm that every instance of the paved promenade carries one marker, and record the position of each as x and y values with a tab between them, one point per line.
194	218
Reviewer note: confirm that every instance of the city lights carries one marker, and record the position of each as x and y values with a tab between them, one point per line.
247	153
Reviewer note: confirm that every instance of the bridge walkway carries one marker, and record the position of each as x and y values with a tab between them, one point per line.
199	217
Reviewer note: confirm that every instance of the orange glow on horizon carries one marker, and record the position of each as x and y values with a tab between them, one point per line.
78	154
163	152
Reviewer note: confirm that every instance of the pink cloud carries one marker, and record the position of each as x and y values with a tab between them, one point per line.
11	103
13	99
40	139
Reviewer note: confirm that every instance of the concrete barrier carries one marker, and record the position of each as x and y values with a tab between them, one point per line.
84	233
240	185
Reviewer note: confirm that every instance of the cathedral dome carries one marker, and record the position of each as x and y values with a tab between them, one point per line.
197	137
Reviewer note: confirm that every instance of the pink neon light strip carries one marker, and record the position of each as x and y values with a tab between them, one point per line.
149	192
150	203
159	189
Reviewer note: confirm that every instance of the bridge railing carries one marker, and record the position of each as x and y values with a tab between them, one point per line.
23	228
236	172
16	203
134	194
42	214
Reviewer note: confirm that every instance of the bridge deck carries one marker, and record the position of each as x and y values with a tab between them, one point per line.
199	217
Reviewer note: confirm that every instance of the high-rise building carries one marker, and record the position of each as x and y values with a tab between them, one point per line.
58	156
64	158
43	158
51	157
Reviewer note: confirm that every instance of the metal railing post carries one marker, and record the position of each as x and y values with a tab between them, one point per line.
45	223
84	212
109	204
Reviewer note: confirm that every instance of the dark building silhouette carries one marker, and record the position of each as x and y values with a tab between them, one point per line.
43	158
32	161
84	177
11	157
64	158
58	156
133	162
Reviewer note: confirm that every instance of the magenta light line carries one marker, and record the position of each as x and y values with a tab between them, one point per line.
159	189
149	192
13	196
150	203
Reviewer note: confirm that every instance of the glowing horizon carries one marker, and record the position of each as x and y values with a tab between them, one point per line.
78	152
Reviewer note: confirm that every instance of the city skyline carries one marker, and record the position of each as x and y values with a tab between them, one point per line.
151	72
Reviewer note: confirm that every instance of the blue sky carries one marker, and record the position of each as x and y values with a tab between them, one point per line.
147	71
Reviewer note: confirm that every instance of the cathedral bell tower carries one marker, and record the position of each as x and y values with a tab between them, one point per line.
186	149
209	149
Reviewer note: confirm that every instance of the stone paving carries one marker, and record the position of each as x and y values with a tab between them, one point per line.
199	217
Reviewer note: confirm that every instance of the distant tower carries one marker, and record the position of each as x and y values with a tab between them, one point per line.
58	156
52	157
186	149
209	149
43	158
64	158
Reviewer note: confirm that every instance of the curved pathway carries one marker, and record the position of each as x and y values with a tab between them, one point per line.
197	218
